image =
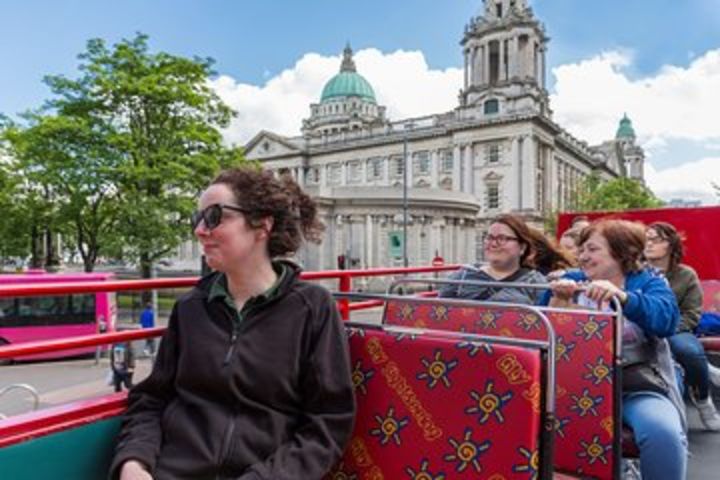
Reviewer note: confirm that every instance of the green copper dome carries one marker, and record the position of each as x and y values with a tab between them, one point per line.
625	130
347	83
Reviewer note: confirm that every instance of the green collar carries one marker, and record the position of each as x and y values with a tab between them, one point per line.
219	289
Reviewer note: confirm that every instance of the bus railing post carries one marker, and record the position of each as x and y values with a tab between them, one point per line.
344	285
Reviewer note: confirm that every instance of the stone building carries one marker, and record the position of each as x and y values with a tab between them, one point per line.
497	151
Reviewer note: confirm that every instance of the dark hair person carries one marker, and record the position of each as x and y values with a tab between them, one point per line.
252	378
664	250
508	248
547	257
610	259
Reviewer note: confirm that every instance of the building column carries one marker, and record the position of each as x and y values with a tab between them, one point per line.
466	71
343	173
368	243
528	173
467	168
486	63
456	169
434	169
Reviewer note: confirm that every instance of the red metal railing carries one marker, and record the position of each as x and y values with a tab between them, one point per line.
344	278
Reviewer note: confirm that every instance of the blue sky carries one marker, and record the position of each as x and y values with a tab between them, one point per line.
254	42
256	38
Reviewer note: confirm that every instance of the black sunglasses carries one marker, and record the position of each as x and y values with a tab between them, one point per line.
212	215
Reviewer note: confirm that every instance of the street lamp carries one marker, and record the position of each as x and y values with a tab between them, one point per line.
408	126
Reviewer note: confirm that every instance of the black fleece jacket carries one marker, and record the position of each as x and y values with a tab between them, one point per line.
274	403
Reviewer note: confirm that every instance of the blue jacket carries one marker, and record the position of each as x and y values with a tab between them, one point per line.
651	304
147	318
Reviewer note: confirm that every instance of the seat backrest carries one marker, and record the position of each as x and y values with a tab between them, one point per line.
433	405
587	440
711	295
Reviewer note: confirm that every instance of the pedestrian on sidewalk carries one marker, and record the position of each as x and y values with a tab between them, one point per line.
147	320
122	363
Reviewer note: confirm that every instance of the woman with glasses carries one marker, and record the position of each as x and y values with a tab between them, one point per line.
508	249
664	251
252	378
610	259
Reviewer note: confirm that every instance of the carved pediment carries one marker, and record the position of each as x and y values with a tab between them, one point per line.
268	144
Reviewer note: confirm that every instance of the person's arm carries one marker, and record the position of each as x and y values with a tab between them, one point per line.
451	291
690	304
328	408
141	436
652	307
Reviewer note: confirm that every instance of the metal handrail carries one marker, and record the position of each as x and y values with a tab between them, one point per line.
22	386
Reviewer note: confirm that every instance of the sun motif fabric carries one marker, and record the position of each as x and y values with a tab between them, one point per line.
433	407
586	438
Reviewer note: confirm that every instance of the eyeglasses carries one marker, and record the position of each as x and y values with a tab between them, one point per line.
655	239
499	239
212	215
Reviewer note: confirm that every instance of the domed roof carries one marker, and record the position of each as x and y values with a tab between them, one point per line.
625	130
348	83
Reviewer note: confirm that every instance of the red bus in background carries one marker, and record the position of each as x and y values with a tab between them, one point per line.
700	227
28	319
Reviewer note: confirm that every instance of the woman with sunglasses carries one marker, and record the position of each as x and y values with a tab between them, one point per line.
664	251
610	259
508	249
252	378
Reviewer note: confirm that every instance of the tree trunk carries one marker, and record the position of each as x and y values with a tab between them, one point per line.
36	248
52	260
146	272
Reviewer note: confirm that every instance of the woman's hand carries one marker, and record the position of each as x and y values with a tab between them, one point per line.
603	291
564	289
134	470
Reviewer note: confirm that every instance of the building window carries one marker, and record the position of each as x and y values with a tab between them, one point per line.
421	163
354	171
375	168
446	160
492	196
334	174
397	164
313	176
491	107
493	153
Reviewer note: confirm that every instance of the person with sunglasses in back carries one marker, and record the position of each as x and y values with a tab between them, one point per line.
252	379
508	249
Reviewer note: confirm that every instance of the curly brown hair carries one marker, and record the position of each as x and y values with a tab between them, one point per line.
293	212
669	233
625	239
547	256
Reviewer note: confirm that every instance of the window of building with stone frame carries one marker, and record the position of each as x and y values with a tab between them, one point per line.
312	177
334	174
421	163
445	163
493	152
397	166
492	195
375	168
354	171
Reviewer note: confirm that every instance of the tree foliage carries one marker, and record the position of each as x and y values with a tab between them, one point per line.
620	193
120	153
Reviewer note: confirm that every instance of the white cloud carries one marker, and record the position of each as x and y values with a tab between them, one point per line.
589	99
591	96
689	181
402	81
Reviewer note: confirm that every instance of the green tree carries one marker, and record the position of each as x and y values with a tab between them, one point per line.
620	193
70	164
157	112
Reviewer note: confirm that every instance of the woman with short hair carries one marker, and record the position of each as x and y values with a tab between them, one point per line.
610	259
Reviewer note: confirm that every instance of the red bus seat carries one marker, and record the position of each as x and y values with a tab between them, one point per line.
432	405
587	440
